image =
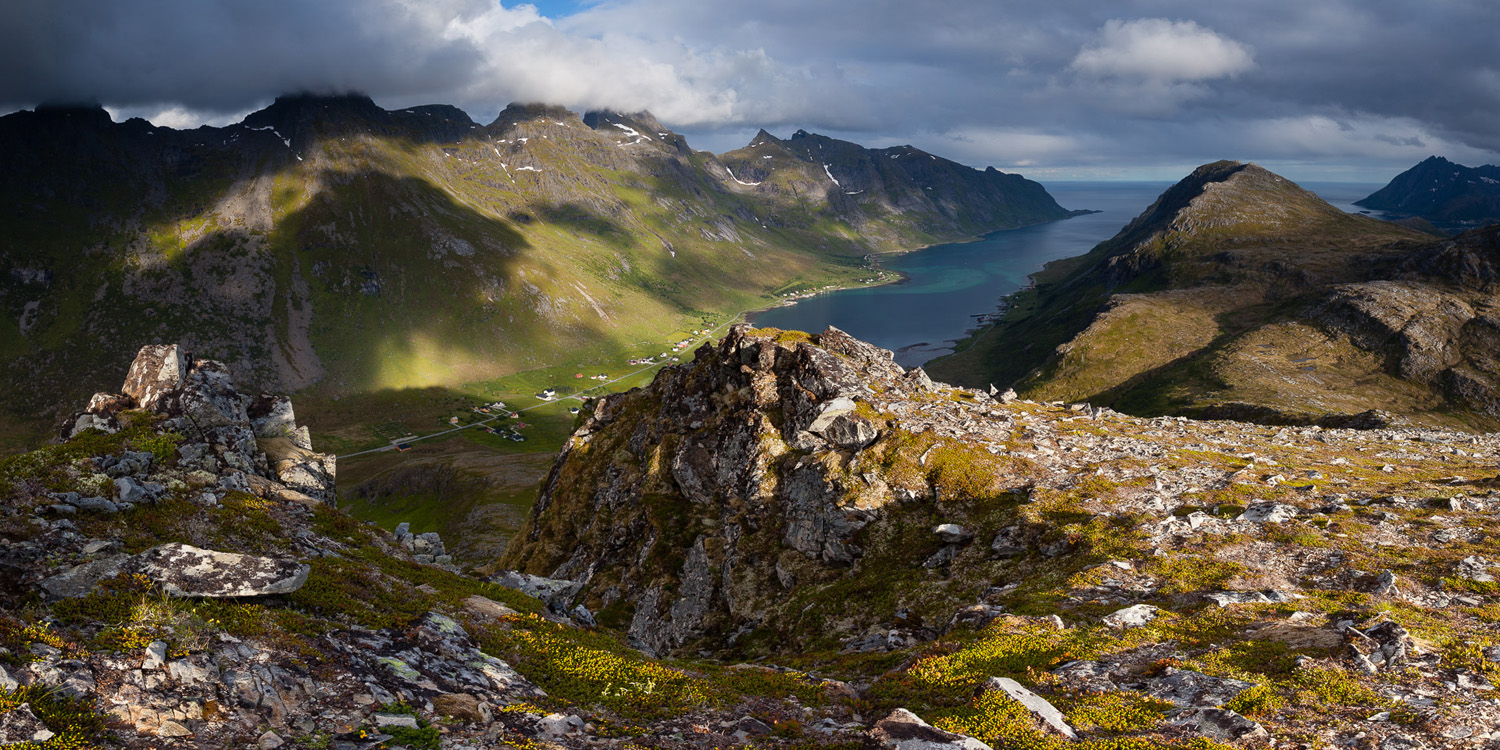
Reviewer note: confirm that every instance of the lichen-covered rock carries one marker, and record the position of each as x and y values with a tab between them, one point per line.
904	730
305	471
183	570
1047	715
1219	724
158	371
82	579
20	726
1185	688
1131	617
272	416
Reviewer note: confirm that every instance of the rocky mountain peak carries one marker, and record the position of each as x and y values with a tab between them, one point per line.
304	108
1226	196
762	136
517	112
85	115
1451	196
642	121
303	116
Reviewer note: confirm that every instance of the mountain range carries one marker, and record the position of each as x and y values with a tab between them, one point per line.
327	245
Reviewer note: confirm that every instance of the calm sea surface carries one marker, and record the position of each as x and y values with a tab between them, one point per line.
947	286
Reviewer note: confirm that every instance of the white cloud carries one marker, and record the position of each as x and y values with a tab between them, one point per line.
1158	49
179	118
1352	136
1005	147
1067	82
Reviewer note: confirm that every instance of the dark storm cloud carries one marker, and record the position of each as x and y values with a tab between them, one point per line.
217	55
1078	86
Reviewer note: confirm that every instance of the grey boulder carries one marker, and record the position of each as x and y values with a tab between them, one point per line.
20	726
557	593
1047	715
183	570
1218	723
79	580
904	730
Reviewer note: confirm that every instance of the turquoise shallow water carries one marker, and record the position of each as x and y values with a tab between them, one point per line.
948	285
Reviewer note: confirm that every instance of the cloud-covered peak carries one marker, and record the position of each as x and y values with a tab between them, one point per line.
1074	86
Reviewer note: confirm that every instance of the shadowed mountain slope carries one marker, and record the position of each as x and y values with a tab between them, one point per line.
1449	195
327	242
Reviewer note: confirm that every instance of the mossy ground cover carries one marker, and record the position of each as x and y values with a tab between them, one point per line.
595	670
74	722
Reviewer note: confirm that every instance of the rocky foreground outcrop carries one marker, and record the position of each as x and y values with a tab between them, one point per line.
852	556
1026	574
173	575
223	430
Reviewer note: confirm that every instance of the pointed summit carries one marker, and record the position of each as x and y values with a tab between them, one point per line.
1221	197
1450	195
762	136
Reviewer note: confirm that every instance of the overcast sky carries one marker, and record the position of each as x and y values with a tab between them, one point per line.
1056	89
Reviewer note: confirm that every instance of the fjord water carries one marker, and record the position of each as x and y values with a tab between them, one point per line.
947	286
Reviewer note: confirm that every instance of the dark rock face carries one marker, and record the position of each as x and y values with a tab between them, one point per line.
1442	192
718	434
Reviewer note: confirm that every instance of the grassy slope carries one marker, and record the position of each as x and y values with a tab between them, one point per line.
371	255
1192	310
